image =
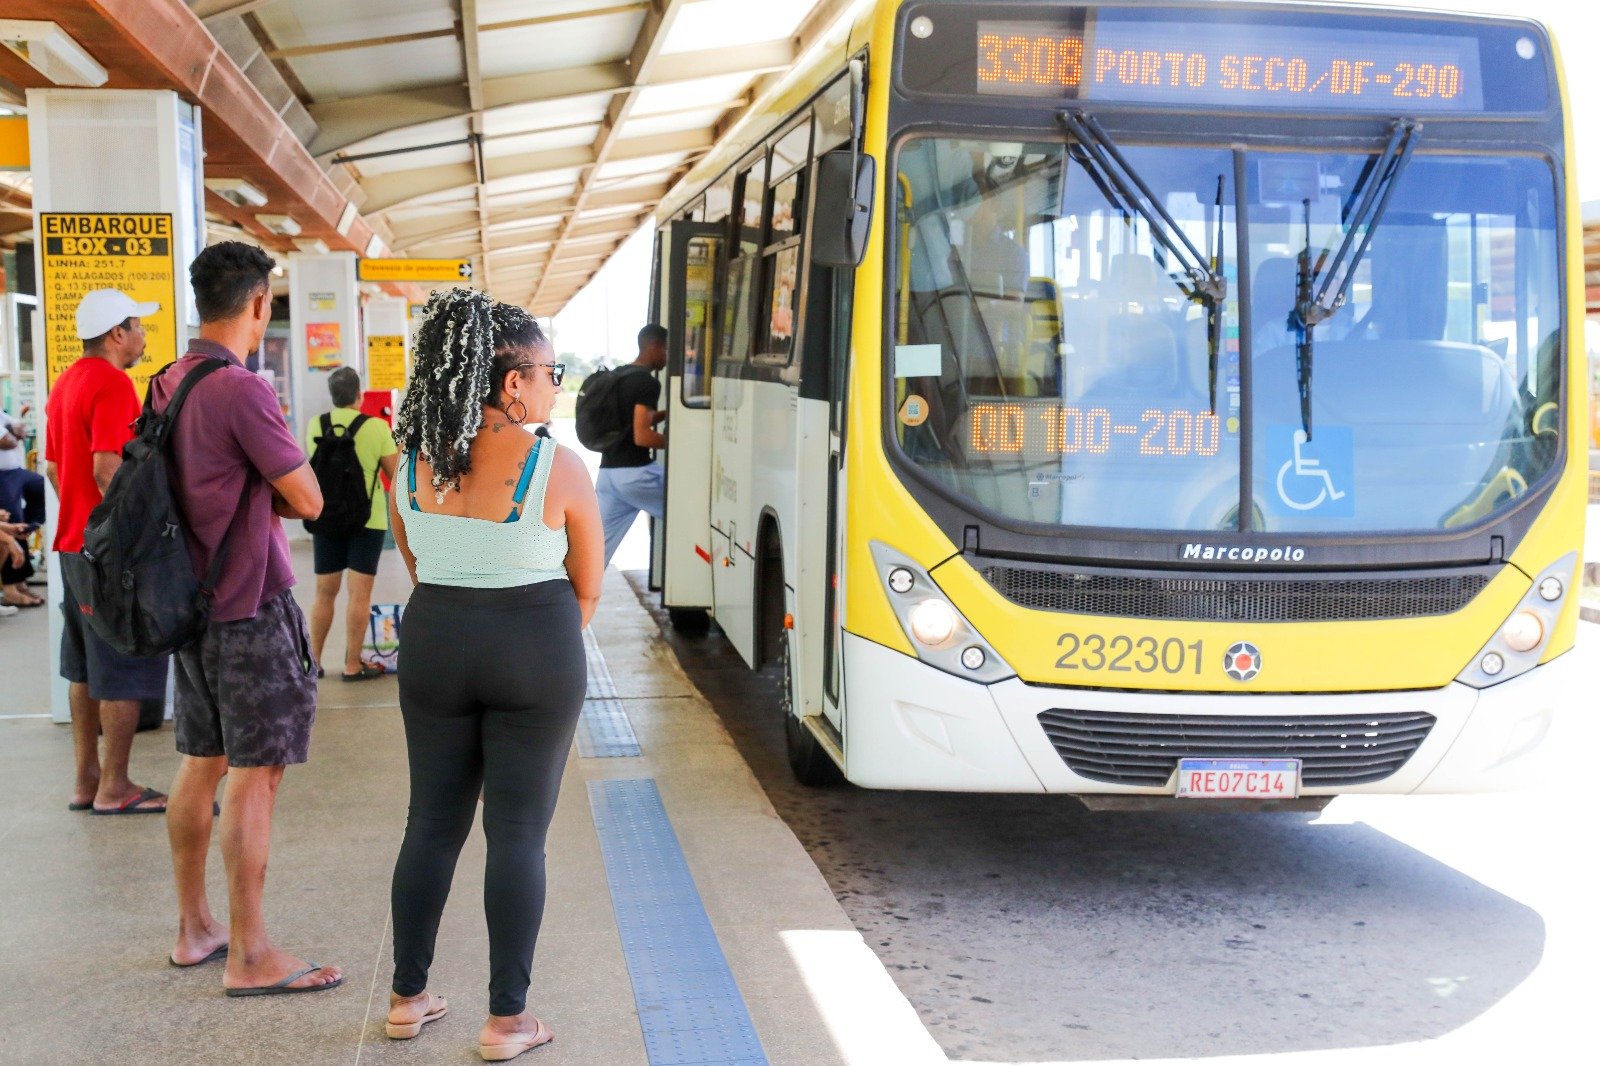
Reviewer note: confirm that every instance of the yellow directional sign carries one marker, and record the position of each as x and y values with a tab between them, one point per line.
83	252
13	142
415	270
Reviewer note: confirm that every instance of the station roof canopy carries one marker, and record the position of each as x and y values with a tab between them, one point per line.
532	136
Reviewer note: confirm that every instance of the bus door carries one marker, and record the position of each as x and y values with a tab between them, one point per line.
820	471
692	253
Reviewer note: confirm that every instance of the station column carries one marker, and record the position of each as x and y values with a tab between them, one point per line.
117	199
324	328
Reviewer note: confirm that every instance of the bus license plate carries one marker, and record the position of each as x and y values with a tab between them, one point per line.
1239	778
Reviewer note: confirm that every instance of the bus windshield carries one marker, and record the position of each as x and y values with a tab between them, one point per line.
1053	361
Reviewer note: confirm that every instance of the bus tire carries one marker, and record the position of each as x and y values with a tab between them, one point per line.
810	762
692	621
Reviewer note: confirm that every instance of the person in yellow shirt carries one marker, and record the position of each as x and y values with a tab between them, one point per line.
356	552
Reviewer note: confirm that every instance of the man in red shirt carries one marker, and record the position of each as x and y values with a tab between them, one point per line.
89	417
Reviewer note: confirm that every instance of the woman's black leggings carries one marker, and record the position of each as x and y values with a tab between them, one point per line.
491	684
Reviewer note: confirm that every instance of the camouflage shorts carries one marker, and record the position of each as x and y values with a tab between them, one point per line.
248	689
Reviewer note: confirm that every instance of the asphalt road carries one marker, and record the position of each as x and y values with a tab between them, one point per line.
1025	929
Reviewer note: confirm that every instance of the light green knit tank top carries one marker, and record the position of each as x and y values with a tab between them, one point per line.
480	554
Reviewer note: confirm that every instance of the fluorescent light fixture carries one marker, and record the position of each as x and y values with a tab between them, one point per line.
237	191
45	47
347	218
282	225
375	247
312	245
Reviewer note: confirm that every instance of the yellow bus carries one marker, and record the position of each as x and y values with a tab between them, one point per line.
1138	401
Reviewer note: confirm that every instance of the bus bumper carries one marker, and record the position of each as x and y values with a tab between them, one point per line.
910	726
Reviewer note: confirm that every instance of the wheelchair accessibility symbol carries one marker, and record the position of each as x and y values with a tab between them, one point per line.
1313	476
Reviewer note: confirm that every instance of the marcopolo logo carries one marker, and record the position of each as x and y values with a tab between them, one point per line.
1242	661
1235	554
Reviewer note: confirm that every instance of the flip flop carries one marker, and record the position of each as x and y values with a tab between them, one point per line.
131	805
216	808
504	1052
398	1031
367	672
219	953
282	987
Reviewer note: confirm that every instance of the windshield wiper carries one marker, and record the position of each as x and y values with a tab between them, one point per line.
1315	303
1127	192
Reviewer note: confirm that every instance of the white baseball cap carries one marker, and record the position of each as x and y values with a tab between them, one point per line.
102	310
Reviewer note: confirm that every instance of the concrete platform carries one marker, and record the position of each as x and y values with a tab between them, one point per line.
87	913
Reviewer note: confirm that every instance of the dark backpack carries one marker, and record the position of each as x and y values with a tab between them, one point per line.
602	424
346	495
134	580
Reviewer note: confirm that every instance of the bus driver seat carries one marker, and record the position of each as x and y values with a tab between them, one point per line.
1139	350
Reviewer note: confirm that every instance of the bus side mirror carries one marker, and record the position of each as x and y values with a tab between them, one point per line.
844	208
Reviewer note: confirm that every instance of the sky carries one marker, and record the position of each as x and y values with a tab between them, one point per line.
604	318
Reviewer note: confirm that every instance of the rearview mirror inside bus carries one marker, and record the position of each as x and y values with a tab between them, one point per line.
844	208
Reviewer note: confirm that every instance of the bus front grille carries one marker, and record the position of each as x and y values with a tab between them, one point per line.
1123	748
1296	598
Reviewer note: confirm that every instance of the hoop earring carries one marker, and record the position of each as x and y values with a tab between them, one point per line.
516	419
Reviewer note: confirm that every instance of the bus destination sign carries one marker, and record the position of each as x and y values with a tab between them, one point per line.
1189	64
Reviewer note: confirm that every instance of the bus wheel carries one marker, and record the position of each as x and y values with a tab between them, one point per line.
812	765
693	621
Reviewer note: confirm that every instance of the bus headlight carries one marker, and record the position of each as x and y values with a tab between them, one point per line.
1524	632
933	622
939	635
1517	647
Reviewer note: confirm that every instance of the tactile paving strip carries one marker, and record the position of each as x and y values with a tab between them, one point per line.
690	1009
600	683
604	731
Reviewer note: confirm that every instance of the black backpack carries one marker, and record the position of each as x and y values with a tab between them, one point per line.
134	580
346	495
602	424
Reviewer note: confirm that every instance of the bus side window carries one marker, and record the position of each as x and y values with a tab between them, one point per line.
780	265
737	304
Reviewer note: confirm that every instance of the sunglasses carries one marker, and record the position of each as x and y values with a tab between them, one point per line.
557	370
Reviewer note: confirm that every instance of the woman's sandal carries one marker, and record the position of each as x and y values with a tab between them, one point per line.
511	1049
437	1008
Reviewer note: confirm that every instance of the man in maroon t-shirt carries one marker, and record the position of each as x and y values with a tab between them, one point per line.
88	418
247	689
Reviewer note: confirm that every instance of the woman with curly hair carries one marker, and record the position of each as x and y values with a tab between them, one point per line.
502	536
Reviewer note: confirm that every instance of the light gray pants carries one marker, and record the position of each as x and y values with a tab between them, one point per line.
623	492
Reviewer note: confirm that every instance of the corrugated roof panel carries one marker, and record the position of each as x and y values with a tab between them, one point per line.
541	140
419	160
568	112
651	165
730	23
391	68
557	46
297	23
676	122
553	179
702	92
445	129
